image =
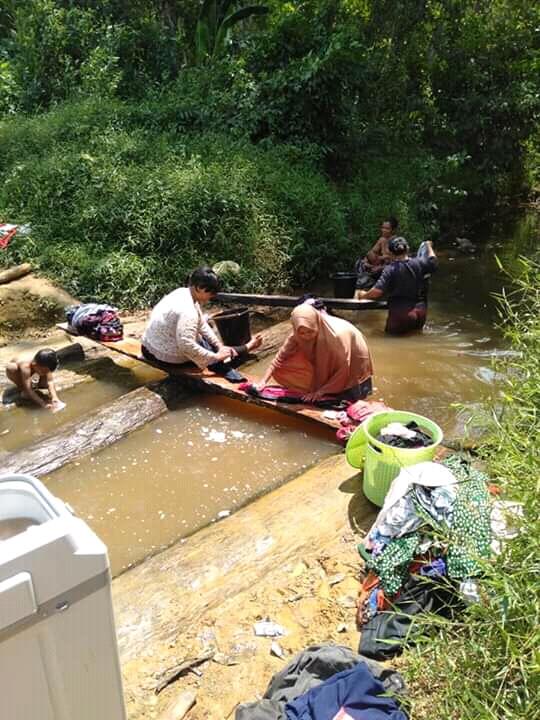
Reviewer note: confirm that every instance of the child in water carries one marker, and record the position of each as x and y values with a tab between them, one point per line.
35	374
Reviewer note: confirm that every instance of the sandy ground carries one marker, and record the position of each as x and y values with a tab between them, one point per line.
30	305
313	598
290	557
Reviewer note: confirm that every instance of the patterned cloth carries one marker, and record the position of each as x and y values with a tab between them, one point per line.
470	534
467	538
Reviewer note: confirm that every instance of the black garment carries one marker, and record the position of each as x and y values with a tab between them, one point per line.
228	370
404	282
307	670
389	631
420	439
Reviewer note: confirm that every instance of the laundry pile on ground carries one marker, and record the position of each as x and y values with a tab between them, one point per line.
329	682
425	550
99	322
407	436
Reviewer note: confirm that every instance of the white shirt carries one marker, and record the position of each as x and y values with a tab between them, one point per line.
175	326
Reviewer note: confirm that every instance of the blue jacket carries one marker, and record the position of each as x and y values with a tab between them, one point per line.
349	695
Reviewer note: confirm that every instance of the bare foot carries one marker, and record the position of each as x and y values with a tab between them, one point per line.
254	343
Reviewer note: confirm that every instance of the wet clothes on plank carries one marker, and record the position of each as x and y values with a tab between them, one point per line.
405	283
356	414
309	669
286	395
99	322
227	370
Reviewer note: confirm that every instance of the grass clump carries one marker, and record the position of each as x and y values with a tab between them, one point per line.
486	666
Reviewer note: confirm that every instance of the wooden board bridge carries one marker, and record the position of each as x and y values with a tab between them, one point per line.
211	382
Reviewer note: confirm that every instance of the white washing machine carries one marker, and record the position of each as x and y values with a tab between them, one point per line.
58	651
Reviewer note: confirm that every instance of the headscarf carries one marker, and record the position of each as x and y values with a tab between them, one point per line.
338	354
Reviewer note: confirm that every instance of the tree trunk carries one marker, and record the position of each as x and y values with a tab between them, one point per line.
96	431
14	273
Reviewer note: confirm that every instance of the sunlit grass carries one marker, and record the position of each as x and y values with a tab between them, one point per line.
485	665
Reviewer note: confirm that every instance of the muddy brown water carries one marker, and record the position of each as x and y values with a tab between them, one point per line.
213	455
181	471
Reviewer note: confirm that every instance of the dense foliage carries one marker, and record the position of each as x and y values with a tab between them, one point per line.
131	134
485	667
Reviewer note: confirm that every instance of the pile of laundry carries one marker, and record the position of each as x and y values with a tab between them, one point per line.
408	436
329	682
425	550
99	322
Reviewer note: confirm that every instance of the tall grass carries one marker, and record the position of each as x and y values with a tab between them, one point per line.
486	665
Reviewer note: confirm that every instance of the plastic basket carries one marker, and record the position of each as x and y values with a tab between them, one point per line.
381	462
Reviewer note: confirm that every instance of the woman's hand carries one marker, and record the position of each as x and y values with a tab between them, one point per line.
312	397
224	353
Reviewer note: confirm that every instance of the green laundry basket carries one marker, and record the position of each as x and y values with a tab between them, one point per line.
381	462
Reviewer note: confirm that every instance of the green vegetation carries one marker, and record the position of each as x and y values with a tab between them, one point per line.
141	138
487	665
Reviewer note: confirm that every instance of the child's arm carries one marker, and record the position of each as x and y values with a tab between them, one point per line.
31	394
51	388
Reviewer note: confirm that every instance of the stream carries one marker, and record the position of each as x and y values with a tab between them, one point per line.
212	455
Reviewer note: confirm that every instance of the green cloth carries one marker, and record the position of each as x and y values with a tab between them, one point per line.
392	565
470	534
468	538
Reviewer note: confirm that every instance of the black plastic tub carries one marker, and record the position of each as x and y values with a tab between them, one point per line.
233	326
344	284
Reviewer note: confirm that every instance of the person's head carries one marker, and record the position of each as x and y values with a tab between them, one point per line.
398	247
305	322
45	361
389	227
204	284
313	300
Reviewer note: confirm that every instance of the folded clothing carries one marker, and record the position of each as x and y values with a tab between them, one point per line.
99	322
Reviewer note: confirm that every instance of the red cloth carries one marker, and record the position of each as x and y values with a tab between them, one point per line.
5	238
356	414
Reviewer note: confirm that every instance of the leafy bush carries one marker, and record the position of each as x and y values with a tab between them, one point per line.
125	213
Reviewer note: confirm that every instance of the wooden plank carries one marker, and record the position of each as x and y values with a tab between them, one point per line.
288	301
211	382
94	432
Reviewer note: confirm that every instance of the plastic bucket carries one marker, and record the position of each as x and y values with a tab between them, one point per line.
233	326
344	284
382	463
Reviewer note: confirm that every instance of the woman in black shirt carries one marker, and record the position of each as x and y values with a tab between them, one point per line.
404	283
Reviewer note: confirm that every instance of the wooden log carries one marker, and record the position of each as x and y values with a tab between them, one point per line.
15	272
289	301
96	431
171	592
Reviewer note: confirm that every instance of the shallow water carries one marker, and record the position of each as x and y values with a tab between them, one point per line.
179	472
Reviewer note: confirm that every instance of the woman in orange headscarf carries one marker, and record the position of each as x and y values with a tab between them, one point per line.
324	355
